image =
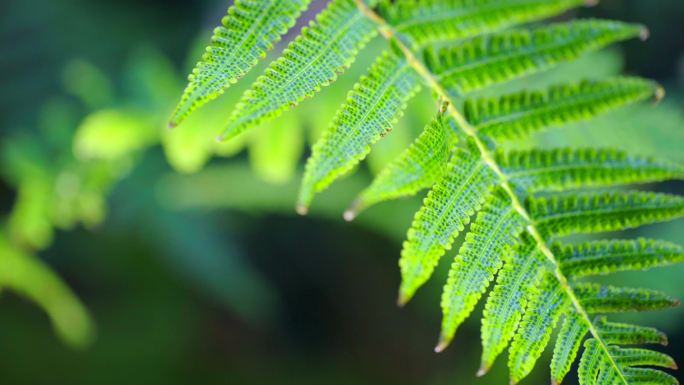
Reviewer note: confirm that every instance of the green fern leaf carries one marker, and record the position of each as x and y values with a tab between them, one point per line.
370	112
428	21
503	56
313	60
507	301
626	334
488	244
609	299
417	168
641	376
445	212
248	31
520	114
642	357
603	257
545	309
609	373
568	213
590	362
567	346
562	169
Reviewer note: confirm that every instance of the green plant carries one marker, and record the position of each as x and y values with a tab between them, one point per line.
523	202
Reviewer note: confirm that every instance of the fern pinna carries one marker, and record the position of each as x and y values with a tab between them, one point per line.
516	206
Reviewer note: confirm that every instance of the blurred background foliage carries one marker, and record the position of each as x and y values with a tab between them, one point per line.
192	266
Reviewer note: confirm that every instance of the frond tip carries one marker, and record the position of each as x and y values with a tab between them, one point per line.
488	245
323	50
247	32
371	110
417	168
445	212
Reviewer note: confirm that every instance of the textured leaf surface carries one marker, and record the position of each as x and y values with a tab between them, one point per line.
313	60
370	112
590	363
642	357
568	213
562	169
609	299
248	31
627	334
508	300
545	309
417	168
567	346
520	114
487	246
603	257
641	376
608	373
503	56
428	21
445	212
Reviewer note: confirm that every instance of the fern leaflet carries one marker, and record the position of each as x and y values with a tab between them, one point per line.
431	21
313	60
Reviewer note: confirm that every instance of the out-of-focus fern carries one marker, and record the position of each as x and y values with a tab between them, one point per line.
514	206
28	276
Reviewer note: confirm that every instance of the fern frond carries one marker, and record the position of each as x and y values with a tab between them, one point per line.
545	309
567	346
609	299
323	50
503	56
522	113
604	257
562	169
428	21
445	212
487	246
247	32
417	168
520	200
372	108
571	213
